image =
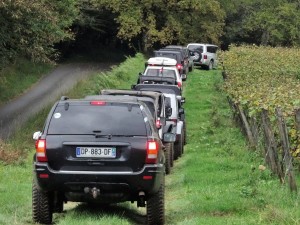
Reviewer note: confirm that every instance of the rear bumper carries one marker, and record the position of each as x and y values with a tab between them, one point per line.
127	184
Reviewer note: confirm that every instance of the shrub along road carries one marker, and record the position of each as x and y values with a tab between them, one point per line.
49	88
216	181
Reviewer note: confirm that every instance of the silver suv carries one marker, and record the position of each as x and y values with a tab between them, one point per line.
205	55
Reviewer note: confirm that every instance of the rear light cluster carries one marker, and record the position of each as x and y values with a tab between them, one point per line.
179	66
204	56
97	103
40	147
179	84
158	123
152	152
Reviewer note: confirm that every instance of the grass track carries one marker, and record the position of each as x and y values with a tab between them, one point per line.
217	180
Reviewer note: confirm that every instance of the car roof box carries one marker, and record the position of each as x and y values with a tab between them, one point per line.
161	61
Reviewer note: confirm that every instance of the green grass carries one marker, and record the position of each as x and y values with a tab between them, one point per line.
17	78
216	181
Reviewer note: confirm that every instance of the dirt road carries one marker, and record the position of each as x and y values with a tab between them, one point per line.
46	91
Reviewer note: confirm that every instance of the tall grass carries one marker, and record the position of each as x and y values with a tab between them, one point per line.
17	78
216	181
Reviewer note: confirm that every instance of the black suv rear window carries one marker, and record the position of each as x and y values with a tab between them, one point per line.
114	119
161	72
196	48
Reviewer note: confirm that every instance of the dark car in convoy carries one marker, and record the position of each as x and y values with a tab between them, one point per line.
182	61
177	118
99	151
156	102
186	53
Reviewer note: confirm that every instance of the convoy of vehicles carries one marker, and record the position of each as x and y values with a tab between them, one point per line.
116	146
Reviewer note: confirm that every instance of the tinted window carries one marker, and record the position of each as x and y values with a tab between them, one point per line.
166	54
196	48
113	118
161	73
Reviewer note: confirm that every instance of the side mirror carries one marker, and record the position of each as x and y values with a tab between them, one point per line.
181	114
133	87
180	98
140	74
168	111
169	137
36	136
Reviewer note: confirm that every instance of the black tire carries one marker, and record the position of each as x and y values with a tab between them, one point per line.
168	157
178	146
210	65
191	68
184	133
156	207
41	206
172	154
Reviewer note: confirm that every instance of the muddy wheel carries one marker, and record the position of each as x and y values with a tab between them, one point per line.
178	146
168	149
172	154
41	206
156	207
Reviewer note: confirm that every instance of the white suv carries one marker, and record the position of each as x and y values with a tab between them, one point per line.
162	69
205	55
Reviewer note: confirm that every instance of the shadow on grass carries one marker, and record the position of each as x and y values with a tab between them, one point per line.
121	211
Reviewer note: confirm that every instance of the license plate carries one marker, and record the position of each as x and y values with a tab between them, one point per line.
92	152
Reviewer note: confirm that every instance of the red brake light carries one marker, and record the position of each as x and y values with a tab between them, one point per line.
40	147
205	56
174	120
179	84
97	103
158	123
152	152
179	66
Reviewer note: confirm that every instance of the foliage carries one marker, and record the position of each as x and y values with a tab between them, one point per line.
263	77
18	77
266	22
266	78
165	22
31	27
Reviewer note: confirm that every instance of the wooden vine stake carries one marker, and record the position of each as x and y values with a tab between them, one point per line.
271	152
246	126
288	160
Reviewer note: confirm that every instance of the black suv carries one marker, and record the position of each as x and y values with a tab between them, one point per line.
186	52
98	152
157	104
182	61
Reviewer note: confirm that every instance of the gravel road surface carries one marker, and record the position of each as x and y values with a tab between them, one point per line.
47	90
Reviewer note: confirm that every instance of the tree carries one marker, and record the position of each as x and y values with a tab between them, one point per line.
263	22
31	27
163	22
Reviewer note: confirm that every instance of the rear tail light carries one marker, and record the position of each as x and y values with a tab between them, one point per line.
179	84
158	123
152	152
179	66
205	57
174	120
40	147
97	103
